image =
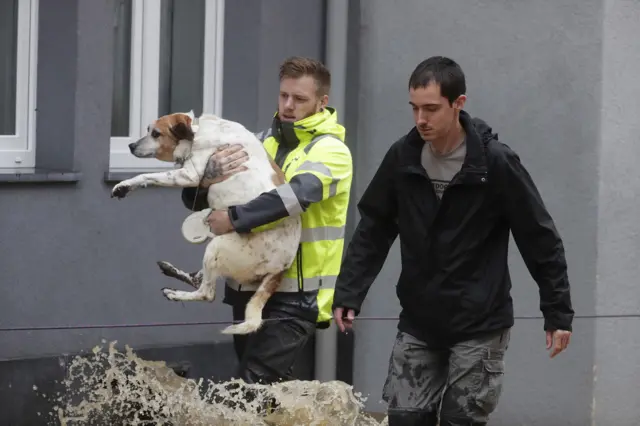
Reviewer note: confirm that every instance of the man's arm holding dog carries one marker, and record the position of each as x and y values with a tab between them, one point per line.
226	162
318	178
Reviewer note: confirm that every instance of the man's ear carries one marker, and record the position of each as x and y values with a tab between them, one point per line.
459	103
324	101
182	131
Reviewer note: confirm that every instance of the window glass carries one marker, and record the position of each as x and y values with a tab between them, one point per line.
8	65
181	56
120	107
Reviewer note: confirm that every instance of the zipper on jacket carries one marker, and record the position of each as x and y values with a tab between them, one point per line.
299	267
453	182
438	201
282	152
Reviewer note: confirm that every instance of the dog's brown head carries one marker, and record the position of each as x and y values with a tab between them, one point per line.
169	138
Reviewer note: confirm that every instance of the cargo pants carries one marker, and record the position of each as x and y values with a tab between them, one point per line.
459	385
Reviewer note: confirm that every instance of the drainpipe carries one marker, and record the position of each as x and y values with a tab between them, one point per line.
336	60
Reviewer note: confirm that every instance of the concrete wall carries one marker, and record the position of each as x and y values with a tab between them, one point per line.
616	368
559	88
72	255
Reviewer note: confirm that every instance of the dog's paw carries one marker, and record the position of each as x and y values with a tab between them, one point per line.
250	326
120	190
170	294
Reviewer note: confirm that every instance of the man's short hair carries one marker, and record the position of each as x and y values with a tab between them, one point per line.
298	66
443	71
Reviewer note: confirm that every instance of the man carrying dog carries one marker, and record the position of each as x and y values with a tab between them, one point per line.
307	143
452	192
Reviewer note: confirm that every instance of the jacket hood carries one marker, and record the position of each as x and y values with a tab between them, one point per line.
479	133
482	128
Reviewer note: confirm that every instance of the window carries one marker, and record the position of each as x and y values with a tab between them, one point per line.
18	43
167	58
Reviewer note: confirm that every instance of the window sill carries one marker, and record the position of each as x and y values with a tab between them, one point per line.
118	175
38	175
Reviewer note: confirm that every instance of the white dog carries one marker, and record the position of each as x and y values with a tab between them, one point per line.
249	259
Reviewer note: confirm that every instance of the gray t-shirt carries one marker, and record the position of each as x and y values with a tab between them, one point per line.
442	168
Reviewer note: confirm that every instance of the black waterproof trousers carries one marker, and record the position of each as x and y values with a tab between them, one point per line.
269	354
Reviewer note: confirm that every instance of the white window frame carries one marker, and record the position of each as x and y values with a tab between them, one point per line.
145	77
19	151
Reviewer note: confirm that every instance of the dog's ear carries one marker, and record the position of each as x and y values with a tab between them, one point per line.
182	131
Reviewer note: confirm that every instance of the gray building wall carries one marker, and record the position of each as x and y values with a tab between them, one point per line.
69	253
556	80
616	371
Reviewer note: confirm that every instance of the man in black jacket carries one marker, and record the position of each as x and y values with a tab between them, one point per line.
452	192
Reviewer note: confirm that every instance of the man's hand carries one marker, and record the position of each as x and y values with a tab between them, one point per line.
224	163
219	222
344	323
559	340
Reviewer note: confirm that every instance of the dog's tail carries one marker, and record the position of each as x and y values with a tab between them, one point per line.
194	279
253	311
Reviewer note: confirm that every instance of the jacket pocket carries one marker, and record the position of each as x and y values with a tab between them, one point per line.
475	296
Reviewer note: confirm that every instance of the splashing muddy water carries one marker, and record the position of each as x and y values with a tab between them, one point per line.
120	388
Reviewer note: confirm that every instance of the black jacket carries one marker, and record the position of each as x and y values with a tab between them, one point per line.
455	279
